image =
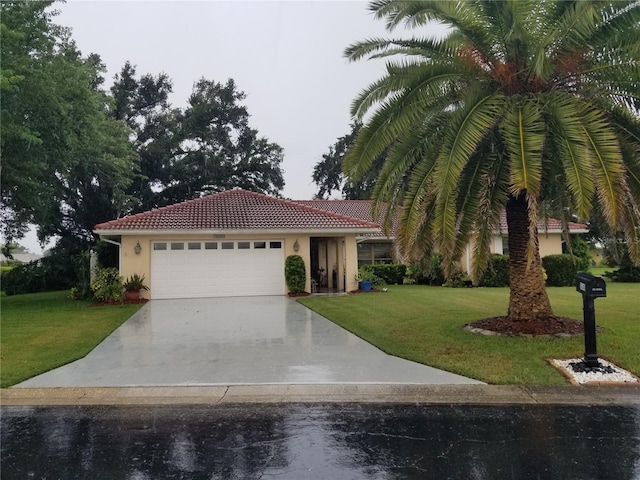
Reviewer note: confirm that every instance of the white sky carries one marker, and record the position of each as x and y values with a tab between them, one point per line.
287	56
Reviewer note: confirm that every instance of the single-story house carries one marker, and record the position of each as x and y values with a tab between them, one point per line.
235	243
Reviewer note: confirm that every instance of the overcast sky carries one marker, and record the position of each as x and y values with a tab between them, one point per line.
286	56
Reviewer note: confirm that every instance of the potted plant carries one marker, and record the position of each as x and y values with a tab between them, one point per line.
132	287
365	279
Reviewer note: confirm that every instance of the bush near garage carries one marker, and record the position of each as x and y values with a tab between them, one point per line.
497	272
561	269
295	273
107	285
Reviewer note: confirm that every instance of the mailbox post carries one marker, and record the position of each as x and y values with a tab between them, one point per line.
591	288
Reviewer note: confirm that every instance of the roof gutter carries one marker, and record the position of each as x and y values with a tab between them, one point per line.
105	239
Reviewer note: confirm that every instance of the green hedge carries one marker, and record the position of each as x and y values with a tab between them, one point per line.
497	272
391	274
561	270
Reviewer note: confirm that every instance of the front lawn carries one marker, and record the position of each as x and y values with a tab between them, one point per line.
41	331
424	324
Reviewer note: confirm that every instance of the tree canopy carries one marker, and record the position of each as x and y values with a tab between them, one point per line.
204	148
74	154
65	163
328	176
531	106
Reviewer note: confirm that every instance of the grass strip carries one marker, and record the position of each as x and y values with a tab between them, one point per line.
42	331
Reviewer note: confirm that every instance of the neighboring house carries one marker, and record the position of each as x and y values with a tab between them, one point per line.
235	243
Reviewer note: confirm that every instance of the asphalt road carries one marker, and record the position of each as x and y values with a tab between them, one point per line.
321	441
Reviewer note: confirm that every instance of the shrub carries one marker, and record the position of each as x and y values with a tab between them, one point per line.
367	274
107	285
391	274
627	271
456	278
497	272
428	270
580	251
295	273
561	270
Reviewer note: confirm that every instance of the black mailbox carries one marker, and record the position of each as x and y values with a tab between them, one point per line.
590	286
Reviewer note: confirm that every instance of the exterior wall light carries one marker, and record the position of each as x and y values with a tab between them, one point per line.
296	246
137	248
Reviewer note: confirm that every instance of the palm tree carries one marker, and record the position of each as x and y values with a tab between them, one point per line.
532	106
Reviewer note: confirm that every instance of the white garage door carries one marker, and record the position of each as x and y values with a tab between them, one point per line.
222	268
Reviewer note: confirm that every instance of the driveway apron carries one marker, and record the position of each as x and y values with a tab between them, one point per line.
231	341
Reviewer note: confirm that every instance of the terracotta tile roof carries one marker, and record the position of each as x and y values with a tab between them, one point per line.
357	209
552	224
236	209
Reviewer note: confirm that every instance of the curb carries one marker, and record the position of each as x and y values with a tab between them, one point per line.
626	395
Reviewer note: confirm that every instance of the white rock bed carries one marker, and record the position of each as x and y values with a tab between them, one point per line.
619	376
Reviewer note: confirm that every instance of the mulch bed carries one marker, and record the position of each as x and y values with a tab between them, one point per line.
299	294
549	326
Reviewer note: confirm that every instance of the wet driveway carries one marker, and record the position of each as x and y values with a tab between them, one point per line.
230	341
325	441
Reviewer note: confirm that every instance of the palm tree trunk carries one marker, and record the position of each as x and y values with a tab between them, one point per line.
528	300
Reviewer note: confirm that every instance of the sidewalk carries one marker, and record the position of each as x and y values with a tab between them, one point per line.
333	393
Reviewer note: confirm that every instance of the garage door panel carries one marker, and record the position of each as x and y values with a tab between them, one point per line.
197	269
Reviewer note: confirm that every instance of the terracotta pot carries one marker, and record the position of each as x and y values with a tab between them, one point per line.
132	295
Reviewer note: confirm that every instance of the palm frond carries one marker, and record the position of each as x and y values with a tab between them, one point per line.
467	129
567	135
523	135
606	161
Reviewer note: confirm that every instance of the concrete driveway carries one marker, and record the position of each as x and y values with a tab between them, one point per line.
231	341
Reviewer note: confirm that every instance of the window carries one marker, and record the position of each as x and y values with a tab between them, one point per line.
159	246
227	245
194	246
275	244
259	245
210	245
370	253
244	245
177	246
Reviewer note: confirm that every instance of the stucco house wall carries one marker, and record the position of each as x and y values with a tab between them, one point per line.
131	263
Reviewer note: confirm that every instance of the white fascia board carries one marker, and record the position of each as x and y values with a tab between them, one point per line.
262	231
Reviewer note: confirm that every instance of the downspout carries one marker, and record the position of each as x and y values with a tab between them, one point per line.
113	242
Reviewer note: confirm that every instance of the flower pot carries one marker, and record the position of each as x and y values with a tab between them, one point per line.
132	295
365	285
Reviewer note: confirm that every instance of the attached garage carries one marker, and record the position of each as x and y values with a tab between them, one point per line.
226	268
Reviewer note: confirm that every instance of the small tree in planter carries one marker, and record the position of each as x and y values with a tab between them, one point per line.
133	286
295	274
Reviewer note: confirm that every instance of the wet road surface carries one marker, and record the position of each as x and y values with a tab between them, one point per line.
330	441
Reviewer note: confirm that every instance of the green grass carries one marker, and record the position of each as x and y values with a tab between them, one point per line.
424	324
41	331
